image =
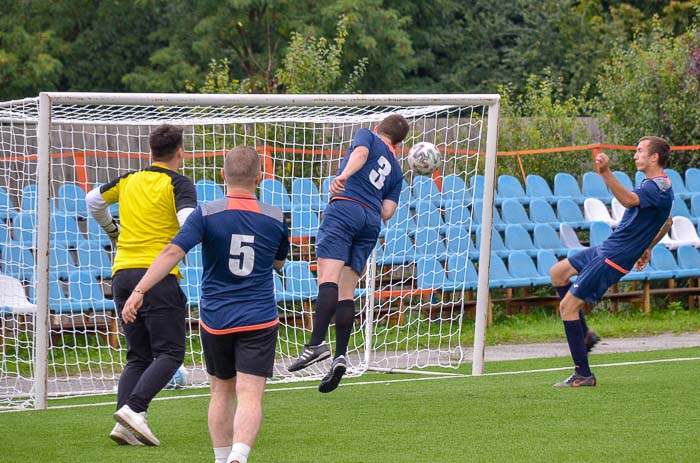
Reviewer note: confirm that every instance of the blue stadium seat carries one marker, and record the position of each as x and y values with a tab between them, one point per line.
97	234
545	261
300	281
305	195
208	190
663	260
566	187
514	213
274	193
429	243
537	188
194	257
461	273
304	223
61	262
191	284
281	294
5	237
679	189
599	233
455	191
568	237
476	183
520	265
406	196
594	187
65	231
17	262
84	289
71	200
460	242
692	180
401	220
570	213
25	228
429	216
498	247
458	216
94	259
430	274
689	259
546	238
7	207
624	179
638	177
542	213
695	205
498	222
679	208
59	302
518	239
29	198
499	277
325	190
510	187
397	249
425	190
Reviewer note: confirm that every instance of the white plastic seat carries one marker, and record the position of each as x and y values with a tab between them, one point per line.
684	232
12	296
617	209
594	210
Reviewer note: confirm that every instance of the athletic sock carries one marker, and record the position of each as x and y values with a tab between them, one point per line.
221	454
562	290
577	346
584	326
239	453
344	320
325	308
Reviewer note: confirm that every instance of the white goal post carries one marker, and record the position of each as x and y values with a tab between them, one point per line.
63	340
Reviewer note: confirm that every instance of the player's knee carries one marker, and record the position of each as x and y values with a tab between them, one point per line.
559	273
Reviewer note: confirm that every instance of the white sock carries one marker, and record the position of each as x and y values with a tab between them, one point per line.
221	453
239	453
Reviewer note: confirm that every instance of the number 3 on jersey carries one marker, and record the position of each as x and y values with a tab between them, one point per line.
242	258
377	176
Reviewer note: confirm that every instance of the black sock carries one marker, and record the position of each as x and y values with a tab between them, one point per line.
584	326
344	320
577	346
325	308
562	290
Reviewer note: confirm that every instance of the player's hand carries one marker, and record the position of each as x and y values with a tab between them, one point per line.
132	305
338	184
642	261
112	231
602	162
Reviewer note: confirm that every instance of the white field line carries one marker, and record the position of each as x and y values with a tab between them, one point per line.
385	381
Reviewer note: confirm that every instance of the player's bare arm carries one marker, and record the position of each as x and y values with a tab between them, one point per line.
161	266
627	198
388	209
644	259
357	159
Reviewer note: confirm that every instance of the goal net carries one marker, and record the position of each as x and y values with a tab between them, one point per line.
60	334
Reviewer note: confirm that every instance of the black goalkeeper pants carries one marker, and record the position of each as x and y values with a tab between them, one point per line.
155	341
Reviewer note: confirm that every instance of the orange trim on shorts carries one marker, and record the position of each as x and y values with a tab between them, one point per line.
344	198
616	267
239	329
242	203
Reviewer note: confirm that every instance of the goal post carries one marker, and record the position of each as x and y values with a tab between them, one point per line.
411	300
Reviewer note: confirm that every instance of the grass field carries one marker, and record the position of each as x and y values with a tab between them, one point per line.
646	408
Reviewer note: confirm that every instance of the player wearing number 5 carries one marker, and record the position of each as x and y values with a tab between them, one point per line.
242	241
365	190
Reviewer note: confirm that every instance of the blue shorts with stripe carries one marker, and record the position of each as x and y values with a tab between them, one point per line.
348	232
596	274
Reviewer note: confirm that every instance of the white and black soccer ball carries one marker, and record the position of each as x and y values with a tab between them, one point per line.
424	158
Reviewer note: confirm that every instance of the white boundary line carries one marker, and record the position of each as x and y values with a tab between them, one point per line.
384	381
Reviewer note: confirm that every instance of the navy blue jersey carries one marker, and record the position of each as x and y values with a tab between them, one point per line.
380	178
241	238
640	224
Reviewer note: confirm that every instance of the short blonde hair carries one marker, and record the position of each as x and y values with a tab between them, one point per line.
241	165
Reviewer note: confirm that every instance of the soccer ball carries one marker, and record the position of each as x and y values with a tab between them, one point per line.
179	379
424	158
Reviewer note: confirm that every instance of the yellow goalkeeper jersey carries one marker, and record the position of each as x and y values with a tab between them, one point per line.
149	200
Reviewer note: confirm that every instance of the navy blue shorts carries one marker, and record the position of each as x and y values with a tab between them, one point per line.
348	232
250	352
595	275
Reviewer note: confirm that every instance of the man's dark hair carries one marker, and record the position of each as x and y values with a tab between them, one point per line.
395	127
660	146
165	141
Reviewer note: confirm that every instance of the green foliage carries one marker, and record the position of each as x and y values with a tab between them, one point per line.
314	65
650	87
542	117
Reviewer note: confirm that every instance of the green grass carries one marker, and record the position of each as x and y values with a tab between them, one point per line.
644	412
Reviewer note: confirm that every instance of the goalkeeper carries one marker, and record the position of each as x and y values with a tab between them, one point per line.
153	203
365	190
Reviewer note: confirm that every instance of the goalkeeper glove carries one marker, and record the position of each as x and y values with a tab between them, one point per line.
112	230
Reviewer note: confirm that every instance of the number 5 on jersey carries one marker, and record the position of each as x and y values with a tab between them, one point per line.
242	258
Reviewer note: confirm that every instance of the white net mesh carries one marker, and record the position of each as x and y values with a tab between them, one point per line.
410	302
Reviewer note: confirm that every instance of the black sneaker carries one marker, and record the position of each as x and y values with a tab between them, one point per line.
592	338
311	355
330	382
577	380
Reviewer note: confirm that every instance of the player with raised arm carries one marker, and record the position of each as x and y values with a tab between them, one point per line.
645	221
364	192
242	241
153	203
